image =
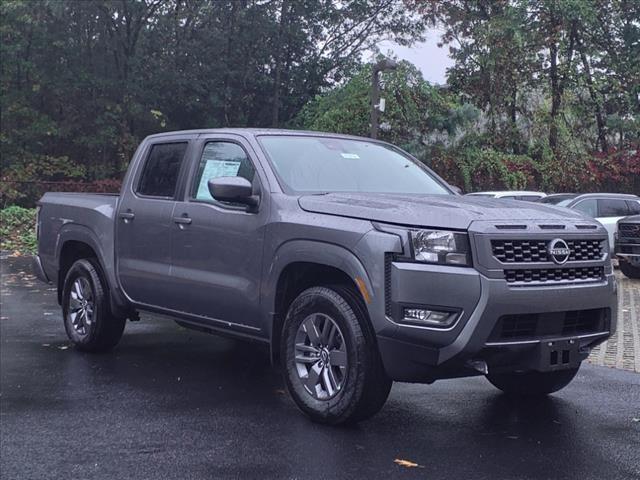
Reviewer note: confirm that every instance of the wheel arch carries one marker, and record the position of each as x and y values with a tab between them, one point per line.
301	264
77	242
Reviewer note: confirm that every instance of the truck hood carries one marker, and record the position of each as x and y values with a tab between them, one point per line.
438	211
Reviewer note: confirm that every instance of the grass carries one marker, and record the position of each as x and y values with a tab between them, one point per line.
17	230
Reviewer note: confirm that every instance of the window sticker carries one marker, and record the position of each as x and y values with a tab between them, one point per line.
350	155
215	169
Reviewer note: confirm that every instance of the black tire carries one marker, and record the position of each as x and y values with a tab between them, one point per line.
104	330
532	384
629	270
365	386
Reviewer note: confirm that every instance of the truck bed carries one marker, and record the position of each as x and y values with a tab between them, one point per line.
89	216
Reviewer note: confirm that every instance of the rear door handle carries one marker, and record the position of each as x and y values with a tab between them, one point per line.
127	216
182	220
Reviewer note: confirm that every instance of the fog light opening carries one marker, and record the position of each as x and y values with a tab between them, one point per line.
427	317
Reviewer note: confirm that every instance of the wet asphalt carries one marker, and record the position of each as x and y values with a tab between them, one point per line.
171	403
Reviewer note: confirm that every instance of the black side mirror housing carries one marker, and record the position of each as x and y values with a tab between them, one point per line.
234	190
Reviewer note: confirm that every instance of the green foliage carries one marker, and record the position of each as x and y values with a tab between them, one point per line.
538	87
21	182
415	112
17	230
82	82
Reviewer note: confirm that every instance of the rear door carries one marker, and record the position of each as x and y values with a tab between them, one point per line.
144	221
217	246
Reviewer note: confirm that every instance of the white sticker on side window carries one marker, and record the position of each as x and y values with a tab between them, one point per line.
215	169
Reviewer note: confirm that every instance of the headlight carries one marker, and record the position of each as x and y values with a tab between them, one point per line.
439	246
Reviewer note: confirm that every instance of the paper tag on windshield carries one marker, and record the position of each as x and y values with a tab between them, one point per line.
350	155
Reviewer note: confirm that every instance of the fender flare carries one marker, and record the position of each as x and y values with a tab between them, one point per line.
312	251
80	233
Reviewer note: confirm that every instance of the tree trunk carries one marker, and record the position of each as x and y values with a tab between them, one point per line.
555	97
602	136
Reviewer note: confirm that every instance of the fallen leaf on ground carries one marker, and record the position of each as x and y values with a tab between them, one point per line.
406	463
635	419
63	347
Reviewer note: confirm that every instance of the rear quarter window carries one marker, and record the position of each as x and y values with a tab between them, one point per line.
634	207
612	208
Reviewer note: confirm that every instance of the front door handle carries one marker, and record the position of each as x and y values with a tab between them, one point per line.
127	216
182	220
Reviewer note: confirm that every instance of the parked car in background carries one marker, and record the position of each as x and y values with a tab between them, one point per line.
560	199
627	246
607	208
511	195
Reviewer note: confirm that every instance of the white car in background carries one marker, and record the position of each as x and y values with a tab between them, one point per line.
606	208
512	195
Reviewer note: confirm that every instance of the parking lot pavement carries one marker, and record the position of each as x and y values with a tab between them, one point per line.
622	350
170	403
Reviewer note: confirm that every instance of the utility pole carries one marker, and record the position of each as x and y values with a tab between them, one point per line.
382	65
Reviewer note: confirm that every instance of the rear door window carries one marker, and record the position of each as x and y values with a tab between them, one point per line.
161	170
612	208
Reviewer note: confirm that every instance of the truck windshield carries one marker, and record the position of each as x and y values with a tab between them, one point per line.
324	164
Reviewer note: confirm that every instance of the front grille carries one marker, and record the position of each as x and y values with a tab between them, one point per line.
535	251
629	230
549	275
538	325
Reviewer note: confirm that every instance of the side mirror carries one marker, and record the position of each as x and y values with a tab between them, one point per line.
233	189
456	189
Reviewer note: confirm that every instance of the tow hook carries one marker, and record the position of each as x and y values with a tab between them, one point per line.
478	365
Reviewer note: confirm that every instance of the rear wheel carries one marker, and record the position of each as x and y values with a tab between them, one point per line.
88	320
532	384
629	270
332	368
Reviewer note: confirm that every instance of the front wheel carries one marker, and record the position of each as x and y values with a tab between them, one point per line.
530	384
88	320
630	271
332	368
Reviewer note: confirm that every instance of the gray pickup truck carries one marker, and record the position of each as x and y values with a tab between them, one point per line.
353	262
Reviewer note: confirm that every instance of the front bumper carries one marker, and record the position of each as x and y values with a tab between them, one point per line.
419	354
628	251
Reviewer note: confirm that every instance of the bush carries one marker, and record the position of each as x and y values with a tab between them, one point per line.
17	230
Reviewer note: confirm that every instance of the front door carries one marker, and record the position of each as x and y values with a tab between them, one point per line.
144	223
217	246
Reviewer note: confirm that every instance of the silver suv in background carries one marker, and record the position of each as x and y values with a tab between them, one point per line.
606	208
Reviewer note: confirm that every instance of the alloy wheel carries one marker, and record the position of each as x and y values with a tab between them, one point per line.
321	356
81	306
